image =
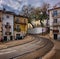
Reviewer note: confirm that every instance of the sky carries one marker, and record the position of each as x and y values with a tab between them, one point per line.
17	4
39	2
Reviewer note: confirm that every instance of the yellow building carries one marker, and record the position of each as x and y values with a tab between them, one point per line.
20	26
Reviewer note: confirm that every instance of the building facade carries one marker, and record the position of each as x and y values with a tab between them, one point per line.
54	17
8	22
20	26
1	25
12	26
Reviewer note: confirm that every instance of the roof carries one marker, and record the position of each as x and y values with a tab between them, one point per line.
7	12
54	8
20	16
12	13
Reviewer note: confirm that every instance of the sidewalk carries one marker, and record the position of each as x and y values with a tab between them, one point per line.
50	37
56	45
4	45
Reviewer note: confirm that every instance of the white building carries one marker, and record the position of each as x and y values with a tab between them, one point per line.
54	17
8	23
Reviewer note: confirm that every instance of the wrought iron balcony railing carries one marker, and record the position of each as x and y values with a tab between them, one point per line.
56	31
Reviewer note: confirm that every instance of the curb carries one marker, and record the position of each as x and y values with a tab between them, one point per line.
50	54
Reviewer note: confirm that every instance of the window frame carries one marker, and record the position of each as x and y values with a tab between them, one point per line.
7	16
55	13
55	21
17	20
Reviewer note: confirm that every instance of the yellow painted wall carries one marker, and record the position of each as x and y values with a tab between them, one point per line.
23	23
23	27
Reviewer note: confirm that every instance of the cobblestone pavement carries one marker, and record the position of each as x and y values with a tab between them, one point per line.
32	50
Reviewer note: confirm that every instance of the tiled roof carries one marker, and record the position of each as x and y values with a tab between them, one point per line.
54	8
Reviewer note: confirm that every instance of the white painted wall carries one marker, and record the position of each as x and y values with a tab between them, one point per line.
36	30
58	20
59	29
59	37
51	19
58	11
10	20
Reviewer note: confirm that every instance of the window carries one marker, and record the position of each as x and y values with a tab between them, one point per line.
18	28
24	20
8	33
55	20
7	16
55	13
17	20
7	25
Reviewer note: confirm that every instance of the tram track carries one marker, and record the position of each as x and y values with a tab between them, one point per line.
36	44
37	48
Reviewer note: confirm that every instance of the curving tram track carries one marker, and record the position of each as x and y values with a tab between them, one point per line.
39	45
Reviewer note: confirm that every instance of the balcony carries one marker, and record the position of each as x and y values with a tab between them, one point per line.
17	22
56	24
23	23
17	29
56	31
8	33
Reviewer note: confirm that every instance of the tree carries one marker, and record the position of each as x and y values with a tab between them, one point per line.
45	6
35	13
28	11
44	10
